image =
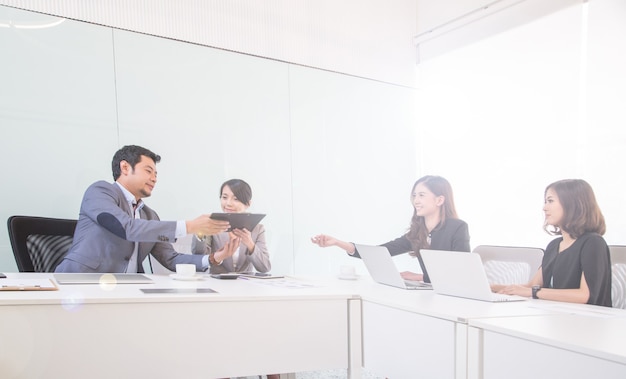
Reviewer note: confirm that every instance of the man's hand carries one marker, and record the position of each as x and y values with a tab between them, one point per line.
205	225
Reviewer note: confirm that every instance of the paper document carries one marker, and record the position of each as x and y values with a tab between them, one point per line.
27	285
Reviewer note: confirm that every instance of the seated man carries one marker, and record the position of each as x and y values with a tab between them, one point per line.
116	230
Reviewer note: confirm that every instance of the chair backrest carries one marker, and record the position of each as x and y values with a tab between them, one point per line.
508	264
618	280
39	243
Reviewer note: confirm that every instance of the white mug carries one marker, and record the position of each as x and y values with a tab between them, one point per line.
185	270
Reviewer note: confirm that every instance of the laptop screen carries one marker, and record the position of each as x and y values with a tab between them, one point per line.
426	278
382	268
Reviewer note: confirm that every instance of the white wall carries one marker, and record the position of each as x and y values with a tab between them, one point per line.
524	108
354	163
365	38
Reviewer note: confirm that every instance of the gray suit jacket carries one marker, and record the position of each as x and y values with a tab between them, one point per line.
107	231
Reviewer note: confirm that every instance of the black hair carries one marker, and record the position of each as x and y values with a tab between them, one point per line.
131	154
240	188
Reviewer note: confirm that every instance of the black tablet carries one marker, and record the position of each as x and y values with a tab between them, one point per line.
225	275
259	275
239	220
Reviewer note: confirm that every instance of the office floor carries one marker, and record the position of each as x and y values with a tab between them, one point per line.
333	374
326	374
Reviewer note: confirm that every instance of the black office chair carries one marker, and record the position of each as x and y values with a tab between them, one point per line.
40	243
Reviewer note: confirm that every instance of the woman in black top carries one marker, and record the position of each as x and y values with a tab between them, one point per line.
576	267
434	225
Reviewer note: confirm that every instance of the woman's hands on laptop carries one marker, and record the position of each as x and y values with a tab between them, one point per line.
412	276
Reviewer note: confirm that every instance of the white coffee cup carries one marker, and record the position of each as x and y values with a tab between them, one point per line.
347	271
185	270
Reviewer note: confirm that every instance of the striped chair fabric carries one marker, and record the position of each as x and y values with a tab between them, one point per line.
47	251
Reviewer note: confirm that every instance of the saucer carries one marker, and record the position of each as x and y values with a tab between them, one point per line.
186	278
352	277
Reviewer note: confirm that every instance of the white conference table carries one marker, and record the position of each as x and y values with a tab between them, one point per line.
420	333
416	333
117	331
251	327
575	345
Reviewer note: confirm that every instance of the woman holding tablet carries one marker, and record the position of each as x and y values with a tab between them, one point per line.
434	225
576	266
251	254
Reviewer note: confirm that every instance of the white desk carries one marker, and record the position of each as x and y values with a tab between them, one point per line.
555	346
248	329
407	334
430	330
85	331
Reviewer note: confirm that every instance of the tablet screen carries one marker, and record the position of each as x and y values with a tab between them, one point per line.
239	220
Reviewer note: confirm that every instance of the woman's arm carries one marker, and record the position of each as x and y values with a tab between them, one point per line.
520	289
323	240
574	295
258	255
594	282
398	246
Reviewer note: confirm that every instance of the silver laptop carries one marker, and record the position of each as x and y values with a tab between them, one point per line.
460	274
383	270
97	278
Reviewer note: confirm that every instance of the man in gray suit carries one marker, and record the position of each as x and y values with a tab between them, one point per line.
116	230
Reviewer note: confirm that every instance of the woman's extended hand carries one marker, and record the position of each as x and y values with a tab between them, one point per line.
322	240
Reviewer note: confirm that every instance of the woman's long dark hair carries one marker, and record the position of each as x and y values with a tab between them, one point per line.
418	233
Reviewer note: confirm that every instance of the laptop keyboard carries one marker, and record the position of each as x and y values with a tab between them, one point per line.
498	297
416	284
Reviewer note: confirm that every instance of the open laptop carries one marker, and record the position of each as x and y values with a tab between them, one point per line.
383	270
460	274
97	278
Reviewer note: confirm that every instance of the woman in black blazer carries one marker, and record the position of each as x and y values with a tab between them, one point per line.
434	225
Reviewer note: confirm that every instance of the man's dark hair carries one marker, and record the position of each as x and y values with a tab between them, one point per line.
131	154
